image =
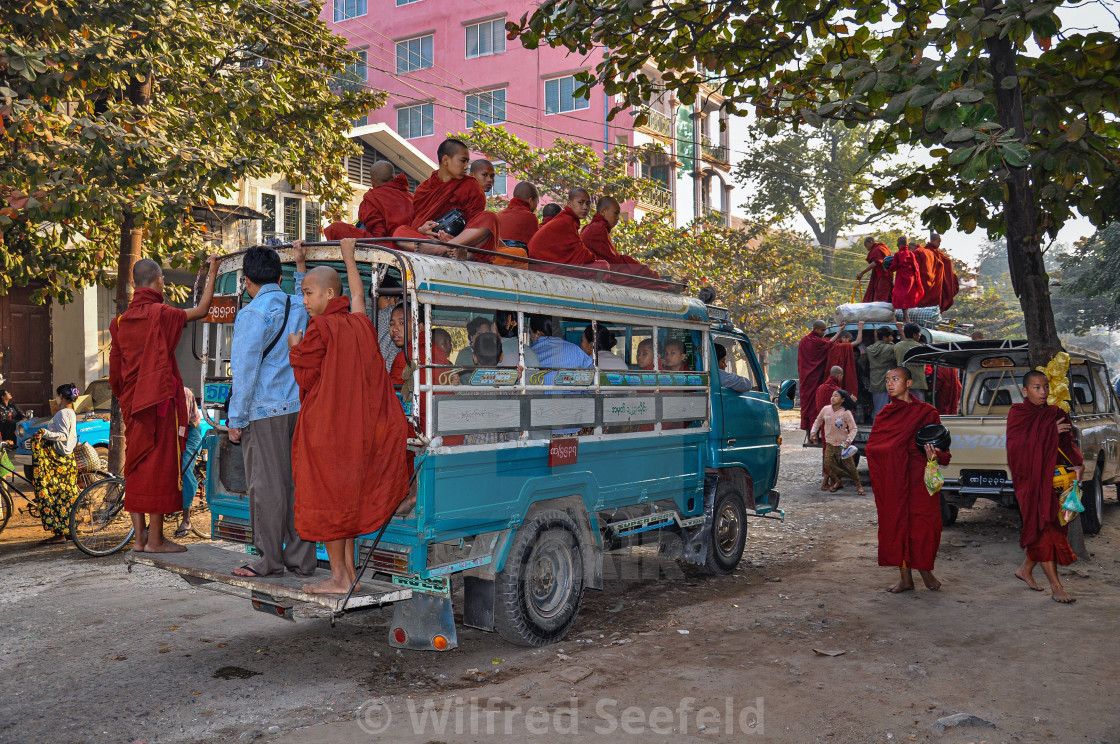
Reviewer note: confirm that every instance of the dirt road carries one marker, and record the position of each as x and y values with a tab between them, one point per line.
800	645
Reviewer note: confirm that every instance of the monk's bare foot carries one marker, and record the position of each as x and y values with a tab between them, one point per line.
902	586
329	586
165	546
1059	594
930	581
406	507
1025	577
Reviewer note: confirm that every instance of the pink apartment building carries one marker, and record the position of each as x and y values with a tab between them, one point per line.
446	64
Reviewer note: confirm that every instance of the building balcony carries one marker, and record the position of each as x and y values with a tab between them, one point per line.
713	151
657	123
710	211
656	198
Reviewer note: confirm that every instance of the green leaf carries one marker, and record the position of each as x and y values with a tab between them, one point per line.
967	95
1008	82
961	154
942	101
1015	154
963	134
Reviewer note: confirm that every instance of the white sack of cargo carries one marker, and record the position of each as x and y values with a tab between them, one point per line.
869	312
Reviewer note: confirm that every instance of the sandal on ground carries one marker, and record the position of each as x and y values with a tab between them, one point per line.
834	489
54	540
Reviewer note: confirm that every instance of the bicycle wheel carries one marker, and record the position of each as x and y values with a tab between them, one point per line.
99	525
200	518
6	507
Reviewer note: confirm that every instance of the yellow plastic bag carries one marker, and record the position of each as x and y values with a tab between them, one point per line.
933	477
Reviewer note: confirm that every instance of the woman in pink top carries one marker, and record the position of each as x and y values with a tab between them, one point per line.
839	428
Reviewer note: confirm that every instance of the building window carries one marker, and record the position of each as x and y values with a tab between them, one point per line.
488	37
486	108
346	9
353	80
312	221
415	121
500	188
406	2
268	207
292	218
559	96
414	54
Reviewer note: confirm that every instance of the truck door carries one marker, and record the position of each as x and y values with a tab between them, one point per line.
747	425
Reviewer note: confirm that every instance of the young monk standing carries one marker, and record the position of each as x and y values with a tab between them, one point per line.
451	188
909	517
385	207
348	453
1038	436
145	377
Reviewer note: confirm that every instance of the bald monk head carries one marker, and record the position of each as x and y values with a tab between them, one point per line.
442	339
837	372
934	241
482	170
321	285
454	158
147	273
527	193
381	173
550	210
898	382
819	326
579	201
903	241
607	207
869	241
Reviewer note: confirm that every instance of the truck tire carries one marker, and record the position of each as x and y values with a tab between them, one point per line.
729	530
1092	498
949	513
539	591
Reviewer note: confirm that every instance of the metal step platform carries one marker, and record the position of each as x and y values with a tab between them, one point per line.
204	564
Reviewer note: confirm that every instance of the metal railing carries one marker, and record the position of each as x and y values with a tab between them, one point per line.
658	123
712	150
658	198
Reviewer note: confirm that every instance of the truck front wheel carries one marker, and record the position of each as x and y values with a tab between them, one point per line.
729	531
539	591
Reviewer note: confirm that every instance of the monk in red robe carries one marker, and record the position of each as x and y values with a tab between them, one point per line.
907	285
451	188
518	222
549	212
842	354
345	485
145	378
559	241
909	517
482	170
950	283
880	285
948	391
930	272
384	208
1040	437
596	236
812	367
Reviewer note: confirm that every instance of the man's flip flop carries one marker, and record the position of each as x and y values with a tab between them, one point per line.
182	532
249	567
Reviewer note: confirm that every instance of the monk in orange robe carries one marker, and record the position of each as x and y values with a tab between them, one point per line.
345	485
948	391
812	368
384	208
549	212
879	286
950	283
145	378
596	236
842	354
1040	437
559	241
909	517
930	272
518	222
450	188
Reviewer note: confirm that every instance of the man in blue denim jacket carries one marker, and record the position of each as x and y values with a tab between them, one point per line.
263	410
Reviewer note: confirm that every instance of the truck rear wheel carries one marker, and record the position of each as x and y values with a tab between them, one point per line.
949	513
539	591
729	530
1092	498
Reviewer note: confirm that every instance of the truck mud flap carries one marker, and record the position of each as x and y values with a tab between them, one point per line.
423	623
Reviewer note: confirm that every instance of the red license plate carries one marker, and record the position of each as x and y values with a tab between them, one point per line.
222	310
563	451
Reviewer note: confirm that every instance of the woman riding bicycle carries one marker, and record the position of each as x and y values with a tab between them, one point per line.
55	470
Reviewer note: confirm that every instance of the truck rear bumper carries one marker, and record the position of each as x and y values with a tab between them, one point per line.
966	496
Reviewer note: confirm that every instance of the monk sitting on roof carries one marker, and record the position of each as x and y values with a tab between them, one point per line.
482	170
449	188
559	241
548	213
519	220
597	238
384	208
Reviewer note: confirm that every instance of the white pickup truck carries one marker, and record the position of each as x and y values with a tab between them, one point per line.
992	374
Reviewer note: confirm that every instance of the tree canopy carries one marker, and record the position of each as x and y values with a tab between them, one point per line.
1091	283
1017	114
120	116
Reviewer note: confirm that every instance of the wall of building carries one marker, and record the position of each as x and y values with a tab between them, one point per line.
75	350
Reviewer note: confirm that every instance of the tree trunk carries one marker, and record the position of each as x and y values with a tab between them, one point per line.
1024	249
139	94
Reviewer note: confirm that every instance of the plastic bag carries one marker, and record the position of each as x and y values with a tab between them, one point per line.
934	478
870	312
1071	504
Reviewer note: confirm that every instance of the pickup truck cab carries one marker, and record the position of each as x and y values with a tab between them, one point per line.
992	381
